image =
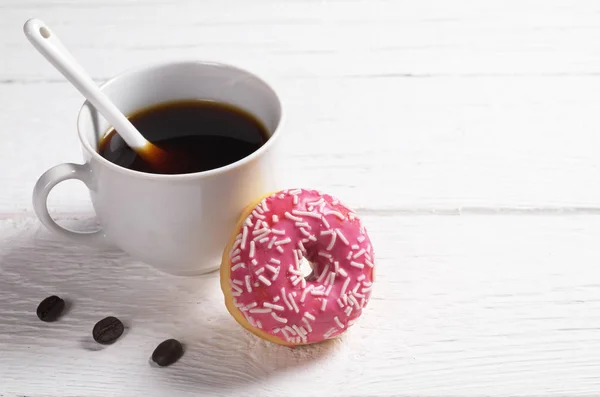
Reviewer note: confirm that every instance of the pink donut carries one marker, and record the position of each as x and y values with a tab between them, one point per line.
265	290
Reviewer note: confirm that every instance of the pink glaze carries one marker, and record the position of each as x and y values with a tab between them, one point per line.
267	285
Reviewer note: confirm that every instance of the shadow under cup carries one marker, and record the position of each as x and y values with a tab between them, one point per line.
179	223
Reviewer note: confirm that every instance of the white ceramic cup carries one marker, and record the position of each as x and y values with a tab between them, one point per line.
176	223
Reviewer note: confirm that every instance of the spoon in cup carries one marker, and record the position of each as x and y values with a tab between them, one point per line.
49	45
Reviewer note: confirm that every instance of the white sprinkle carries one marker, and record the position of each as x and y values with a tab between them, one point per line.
356	287
290	330
325	232
301	246
258	324
313	238
358	295
294	271
344	286
349	255
280	319
236	252
306	213
282	196
293	303
366	289
259	209
330	332
235	293
315	292
339	302
359	253
351	215
276	261
259	310
276	330
252	321
259	231
309	316
264	204
238	282
256	284
295	199
286	240
323	274
302	224
244	237
348	310
325	254
361	277
235	267
345	299
262	236
256	214
356	264
306	291
236	244
287	303
361	238
259	271
368	256
363	302
336	213
252	249
342	272
338	322
257	225
277	231
235	287
305	321
272	242
248	286
295	191
325	222
305	232
355	246
315	203
367	283
276	298
292	217
248	221
263	240
235	259
275	275
297	329
323	304
272	306
328	290
275	218
352	299
369	263
336	266
254	262
342	237
264	280
335	202
280	250
331	242
330	278
296	281
303	281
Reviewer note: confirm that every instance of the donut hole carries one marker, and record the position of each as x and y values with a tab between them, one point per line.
307	269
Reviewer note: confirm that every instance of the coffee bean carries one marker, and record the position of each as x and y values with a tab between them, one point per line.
50	308
167	353
108	330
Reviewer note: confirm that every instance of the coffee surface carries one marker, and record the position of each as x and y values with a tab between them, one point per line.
204	134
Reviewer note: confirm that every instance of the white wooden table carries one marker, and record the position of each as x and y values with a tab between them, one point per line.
465	133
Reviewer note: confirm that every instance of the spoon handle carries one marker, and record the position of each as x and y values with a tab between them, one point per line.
49	45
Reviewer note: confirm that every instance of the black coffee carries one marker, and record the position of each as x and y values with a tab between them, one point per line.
108	330
50	308
202	134
168	352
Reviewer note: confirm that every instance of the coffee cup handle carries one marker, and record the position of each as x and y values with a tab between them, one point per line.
46	183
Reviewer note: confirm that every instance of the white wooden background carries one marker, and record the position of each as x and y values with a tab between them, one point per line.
465	133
